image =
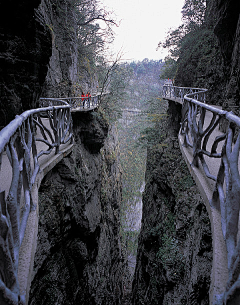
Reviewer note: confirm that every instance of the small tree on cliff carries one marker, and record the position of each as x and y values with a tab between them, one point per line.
114	78
92	37
193	47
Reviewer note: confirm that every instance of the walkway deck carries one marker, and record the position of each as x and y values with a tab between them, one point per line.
220	271
46	163
206	187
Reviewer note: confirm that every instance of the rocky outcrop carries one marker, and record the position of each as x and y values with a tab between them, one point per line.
69	72
60	18
39	55
224	18
79	258
227	28
25	49
175	247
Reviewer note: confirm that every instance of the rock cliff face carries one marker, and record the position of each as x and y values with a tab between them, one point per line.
39	55
59	16
25	49
174	249
227	28
79	258
69	72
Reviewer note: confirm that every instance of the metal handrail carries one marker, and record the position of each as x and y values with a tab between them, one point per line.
23	142
75	101
206	140
180	92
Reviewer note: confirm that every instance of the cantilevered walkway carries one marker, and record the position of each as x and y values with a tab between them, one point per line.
38	139
210	140
30	146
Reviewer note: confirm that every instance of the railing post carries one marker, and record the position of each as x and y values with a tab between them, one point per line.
29	136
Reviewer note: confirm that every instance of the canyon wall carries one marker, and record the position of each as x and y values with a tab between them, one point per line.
69	71
227	29
79	258
175	252
39	55
25	49
175	246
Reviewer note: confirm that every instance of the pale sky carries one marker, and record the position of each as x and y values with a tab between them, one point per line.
143	24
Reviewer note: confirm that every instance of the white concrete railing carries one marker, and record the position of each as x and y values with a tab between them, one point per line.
26	144
214	155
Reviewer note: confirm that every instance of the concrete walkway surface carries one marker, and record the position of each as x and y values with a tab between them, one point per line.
206	186
46	163
28	247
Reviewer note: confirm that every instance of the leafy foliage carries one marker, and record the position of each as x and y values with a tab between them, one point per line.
153	130
194	57
193	13
170	68
92	38
115	80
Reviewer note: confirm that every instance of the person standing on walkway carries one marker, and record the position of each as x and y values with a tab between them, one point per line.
83	99
89	99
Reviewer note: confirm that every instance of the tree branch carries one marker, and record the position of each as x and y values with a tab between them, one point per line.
99	17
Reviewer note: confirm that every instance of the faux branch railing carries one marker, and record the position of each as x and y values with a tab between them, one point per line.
208	145
74	102
23	142
179	93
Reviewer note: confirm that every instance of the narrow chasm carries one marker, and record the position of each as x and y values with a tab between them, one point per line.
121	221
174	255
138	107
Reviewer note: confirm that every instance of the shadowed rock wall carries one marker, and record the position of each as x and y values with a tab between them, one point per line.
39	55
25	49
79	258
175	247
227	29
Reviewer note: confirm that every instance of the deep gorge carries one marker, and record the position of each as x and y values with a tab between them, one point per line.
81	256
174	247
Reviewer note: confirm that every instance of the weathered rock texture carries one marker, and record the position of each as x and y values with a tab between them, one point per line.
227	29
69	71
25	49
39	55
79	259
209	55
175	247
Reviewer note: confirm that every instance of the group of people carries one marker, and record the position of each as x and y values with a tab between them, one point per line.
86	98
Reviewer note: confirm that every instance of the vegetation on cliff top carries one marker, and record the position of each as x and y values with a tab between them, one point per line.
194	57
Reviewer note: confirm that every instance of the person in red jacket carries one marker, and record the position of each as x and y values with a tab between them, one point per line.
83	99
